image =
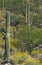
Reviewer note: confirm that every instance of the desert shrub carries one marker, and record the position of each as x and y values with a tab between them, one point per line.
32	63
36	53
23	58
19	57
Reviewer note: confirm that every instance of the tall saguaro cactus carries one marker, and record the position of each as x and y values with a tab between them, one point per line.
29	11
3	4
28	22
26	12
7	41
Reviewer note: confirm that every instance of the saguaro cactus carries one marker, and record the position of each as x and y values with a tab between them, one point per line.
7	41
3	4
29	23
26	12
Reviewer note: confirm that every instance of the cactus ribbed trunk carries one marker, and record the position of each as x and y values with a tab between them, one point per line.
7	41
3	4
29	24
26	13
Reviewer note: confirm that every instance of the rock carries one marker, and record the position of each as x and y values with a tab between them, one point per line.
8	64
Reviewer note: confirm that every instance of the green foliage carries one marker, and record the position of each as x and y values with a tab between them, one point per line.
30	63
26	37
